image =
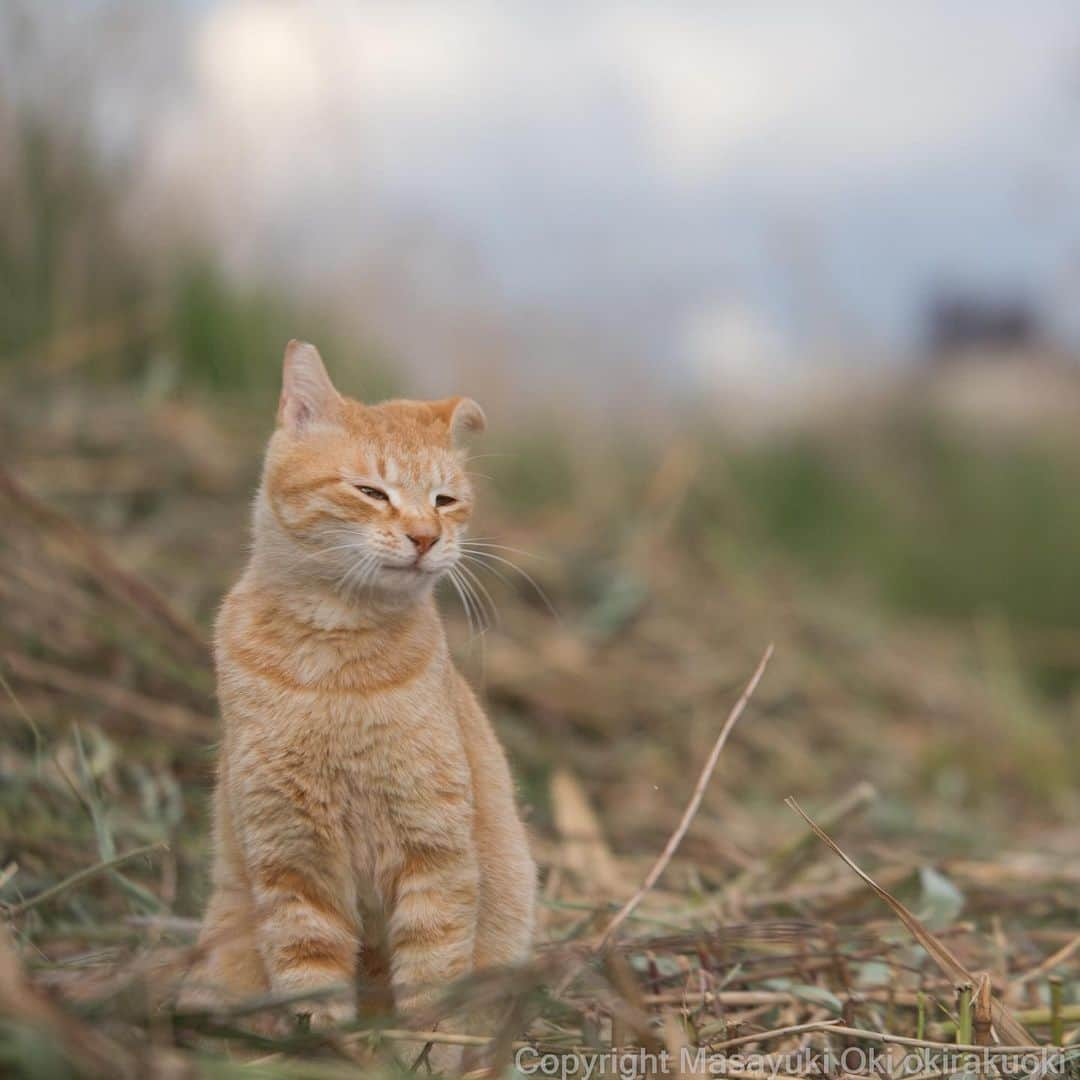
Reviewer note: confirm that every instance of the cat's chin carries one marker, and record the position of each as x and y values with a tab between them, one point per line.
406	580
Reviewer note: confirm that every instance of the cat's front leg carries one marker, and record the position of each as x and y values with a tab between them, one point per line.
306	924
432	935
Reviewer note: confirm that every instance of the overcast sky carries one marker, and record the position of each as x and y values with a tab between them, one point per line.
685	179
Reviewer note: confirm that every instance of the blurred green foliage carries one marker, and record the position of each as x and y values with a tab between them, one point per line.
229	337
533	470
75	289
64	259
918	515
226	339
941	523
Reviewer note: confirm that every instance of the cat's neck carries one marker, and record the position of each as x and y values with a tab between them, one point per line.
312	639
324	608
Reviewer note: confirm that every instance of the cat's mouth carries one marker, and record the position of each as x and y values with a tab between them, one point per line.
408	568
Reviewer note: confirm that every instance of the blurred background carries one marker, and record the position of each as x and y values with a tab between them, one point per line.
773	311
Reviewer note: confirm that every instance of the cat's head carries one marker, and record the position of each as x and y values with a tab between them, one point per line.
364	497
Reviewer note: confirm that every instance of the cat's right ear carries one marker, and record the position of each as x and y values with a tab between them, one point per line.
307	395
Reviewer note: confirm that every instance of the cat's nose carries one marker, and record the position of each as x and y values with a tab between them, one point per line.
423	542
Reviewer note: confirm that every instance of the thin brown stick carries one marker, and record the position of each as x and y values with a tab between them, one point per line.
791	854
1048	964
775	1033
451	1038
982	1015
749	998
876	1036
903	1040
60	887
692	806
447	1038
1004	1021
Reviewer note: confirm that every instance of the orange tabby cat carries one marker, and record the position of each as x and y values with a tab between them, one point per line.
364	816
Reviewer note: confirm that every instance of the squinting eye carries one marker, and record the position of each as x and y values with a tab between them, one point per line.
445	500
373	493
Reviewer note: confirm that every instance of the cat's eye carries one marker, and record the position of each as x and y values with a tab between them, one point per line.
445	500
373	493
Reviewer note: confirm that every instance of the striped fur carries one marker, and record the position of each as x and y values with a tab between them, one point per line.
365	826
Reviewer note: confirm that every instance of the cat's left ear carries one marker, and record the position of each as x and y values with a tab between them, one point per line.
461	415
307	394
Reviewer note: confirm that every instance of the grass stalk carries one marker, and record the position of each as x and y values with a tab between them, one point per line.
13	911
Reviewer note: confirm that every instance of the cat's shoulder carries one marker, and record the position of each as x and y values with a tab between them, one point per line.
238	604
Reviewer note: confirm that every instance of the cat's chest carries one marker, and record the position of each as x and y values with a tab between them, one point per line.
368	753
398	738
408	783
363	739
374	739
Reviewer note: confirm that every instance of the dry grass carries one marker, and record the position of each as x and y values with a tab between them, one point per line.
722	922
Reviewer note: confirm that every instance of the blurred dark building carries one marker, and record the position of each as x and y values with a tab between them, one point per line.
960	326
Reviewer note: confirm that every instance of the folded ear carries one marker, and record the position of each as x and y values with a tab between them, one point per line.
461	415
307	394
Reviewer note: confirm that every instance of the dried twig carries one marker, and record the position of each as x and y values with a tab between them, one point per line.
1048	964
676	837
789	856
53	891
1006	1023
775	1033
928	1044
982	1016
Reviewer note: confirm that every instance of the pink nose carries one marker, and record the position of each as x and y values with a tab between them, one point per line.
423	542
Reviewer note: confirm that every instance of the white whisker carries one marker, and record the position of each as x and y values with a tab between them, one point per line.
479	556
482	590
482	543
483	619
355	545
455	580
457	589
488	567
359	574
